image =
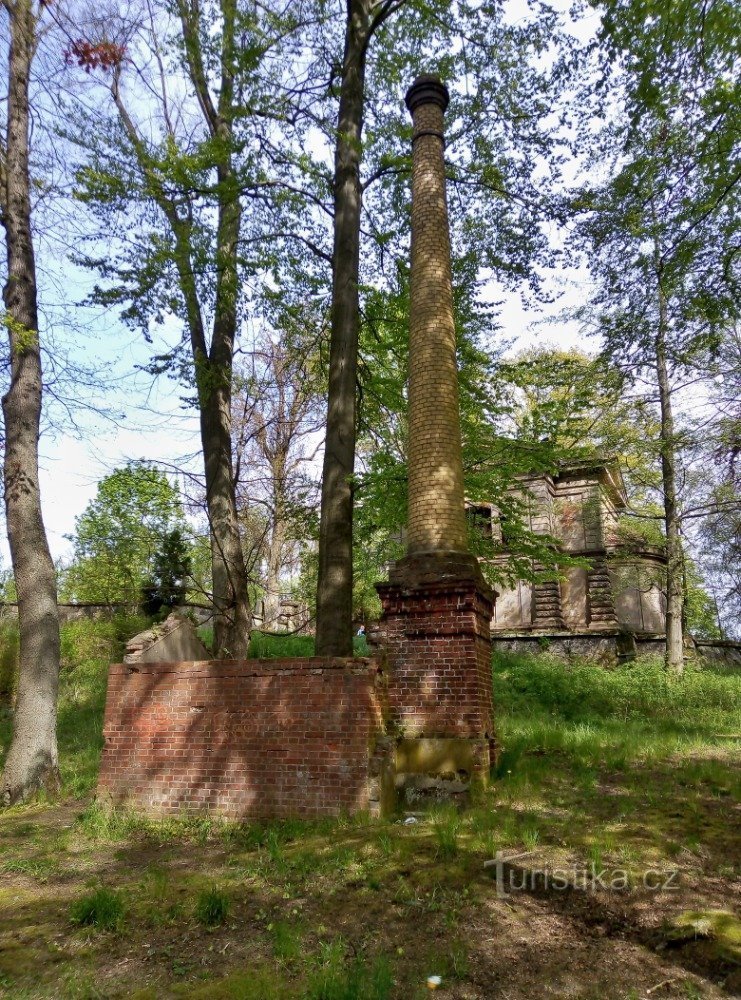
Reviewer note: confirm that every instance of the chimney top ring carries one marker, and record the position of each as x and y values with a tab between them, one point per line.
427	89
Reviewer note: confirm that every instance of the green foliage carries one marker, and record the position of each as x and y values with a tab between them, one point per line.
636	533
120	534
588	714
102	909
212	907
700	609
500	446
266	645
287	942
678	62
720	555
171	567
641	690
584	405
87	649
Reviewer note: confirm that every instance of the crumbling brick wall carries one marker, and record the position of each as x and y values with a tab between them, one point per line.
248	739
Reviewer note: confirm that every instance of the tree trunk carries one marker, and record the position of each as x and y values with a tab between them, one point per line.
335	579
32	761
231	595
674	658
233	616
214	367
276	548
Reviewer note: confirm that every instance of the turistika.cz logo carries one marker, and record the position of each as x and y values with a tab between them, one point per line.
511	877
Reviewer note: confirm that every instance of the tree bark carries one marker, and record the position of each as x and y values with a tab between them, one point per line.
233	612
335	577
674	657
32	761
276	548
233	615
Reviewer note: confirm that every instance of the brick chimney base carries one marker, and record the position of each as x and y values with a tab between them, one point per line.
435	635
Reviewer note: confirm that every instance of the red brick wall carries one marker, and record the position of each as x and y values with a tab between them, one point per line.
439	651
254	738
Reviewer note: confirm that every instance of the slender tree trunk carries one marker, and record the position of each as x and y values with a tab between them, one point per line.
674	658
233	615
276	548
32	761
335	579
231	595
212	366
213	370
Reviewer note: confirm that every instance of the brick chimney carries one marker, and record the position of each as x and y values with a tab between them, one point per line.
436	502
436	606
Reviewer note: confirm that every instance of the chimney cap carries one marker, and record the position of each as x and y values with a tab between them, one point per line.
428	88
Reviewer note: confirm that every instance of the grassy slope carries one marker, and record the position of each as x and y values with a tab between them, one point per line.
624	769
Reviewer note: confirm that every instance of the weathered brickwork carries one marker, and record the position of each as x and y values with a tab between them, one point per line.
248	739
436	606
262	739
436	502
438	643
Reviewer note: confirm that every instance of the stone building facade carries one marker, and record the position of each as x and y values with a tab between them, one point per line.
616	592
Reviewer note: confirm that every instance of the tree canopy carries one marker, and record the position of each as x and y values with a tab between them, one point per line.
125	538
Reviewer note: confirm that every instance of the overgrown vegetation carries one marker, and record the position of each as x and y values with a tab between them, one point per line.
625	768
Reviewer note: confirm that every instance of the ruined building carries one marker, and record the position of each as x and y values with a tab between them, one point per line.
607	605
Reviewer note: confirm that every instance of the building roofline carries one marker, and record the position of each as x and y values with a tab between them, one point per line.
611	476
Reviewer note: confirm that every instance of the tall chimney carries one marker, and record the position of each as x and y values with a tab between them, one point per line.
436	500
436	604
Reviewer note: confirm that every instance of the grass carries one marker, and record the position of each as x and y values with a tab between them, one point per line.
334	979
212	907
622	768
446	825
599	718
267	645
102	909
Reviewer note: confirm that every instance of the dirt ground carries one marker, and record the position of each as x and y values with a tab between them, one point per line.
565	914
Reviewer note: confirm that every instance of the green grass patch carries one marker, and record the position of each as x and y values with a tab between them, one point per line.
265	645
8	660
446	825
336	979
212	907
596	717
102	909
